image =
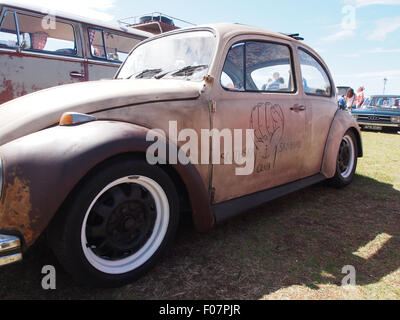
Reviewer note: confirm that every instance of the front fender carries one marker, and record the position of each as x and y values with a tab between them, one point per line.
341	123
43	168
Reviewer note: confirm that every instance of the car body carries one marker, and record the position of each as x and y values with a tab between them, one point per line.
379	113
85	146
53	50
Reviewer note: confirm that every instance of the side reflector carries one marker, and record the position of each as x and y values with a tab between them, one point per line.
74	118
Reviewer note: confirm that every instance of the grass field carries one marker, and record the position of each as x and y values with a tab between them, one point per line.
292	248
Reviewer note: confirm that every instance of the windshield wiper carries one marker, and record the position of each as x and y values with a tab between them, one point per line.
146	72
186	71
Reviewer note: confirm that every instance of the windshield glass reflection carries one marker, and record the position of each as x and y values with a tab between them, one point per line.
183	56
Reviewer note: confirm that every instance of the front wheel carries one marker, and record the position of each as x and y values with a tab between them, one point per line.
118	223
346	164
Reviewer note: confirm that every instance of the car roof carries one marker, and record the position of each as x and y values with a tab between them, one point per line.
70	16
230	30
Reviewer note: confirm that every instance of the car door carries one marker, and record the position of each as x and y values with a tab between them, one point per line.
321	107
258	91
44	55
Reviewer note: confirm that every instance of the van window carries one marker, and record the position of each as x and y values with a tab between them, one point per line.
116	47
8	33
96	41
56	39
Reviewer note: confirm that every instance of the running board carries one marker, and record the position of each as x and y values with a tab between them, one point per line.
226	210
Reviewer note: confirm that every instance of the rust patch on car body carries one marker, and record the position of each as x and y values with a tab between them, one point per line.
16	208
8	91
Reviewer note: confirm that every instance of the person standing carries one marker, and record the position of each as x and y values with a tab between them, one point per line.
360	97
351	99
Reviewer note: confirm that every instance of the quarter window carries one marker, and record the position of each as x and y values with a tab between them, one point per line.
96	41
258	67
232	77
55	38
8	33
315	79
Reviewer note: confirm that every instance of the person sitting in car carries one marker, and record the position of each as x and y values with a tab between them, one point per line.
276	83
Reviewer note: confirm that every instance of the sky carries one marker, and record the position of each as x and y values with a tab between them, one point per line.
358	39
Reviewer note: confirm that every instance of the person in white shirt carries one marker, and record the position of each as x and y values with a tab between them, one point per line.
351	99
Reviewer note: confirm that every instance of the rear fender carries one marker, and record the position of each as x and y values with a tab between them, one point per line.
342	122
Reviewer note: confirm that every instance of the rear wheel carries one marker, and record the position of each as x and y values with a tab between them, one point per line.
117	225
346	164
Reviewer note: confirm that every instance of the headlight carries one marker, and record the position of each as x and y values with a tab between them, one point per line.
1	176
396	119
355	116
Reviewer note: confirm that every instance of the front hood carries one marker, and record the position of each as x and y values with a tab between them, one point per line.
44	108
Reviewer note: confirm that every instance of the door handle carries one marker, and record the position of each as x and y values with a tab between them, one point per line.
75	74
298	108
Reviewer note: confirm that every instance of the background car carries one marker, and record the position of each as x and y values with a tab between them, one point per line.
379	113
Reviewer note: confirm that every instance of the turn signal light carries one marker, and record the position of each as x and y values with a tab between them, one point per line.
74	118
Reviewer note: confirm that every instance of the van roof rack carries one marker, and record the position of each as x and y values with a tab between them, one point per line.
155	22
295	36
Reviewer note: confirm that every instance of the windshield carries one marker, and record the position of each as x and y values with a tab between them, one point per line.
181	56
383	102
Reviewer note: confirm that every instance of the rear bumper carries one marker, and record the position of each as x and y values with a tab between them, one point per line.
10	249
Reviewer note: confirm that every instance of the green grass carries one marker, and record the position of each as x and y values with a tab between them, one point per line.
292	248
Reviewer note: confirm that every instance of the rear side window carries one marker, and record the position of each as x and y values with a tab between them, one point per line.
110	46
57	38
8	31
314	77
258	66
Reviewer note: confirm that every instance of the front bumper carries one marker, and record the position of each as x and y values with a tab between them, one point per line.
10	249
379	124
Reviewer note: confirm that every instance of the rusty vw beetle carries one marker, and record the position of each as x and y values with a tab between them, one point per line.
75	159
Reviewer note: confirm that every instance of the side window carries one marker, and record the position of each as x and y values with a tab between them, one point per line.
8	33
96	42
315	79
232	77
118	47
258	67
268	67
59	39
